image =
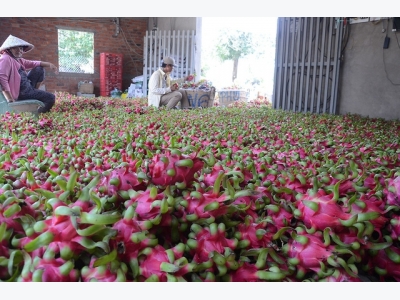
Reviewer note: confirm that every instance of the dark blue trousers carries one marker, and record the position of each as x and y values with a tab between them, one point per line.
28	88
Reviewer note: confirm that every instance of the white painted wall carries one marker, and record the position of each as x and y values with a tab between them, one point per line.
173	23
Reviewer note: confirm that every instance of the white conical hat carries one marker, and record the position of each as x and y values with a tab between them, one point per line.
13	41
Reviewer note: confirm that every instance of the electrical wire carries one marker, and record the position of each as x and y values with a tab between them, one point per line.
129	46
387	27
398	45
134	59
346	34
383	56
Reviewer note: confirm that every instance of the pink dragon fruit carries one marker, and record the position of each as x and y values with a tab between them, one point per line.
248	272
151	206
109	272
278	215
208	240
255	235
130	239
307	251
373	211
210	178
394	228
171	168
387	263
48	268
122	179
320	211
340	275
204	205
154	262
393	191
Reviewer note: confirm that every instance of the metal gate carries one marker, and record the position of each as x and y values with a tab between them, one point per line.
180	45
307	63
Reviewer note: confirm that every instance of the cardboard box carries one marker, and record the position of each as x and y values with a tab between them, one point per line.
200	98
79	94
226	97
85	87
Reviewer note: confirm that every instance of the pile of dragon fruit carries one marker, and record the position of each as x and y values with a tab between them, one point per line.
112	190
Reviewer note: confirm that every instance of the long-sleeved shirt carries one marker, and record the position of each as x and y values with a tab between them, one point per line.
159	84
10	79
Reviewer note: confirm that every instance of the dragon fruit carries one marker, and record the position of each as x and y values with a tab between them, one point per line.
130	239
369	209
393	191
151	208
49	268
172	167
387	263
320	211
307	251
211	177
278	215
113	271
122	179
248	272
209	240
340	275
254	235
154	264
394	228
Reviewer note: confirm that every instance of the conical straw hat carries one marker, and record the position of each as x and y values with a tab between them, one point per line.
13	41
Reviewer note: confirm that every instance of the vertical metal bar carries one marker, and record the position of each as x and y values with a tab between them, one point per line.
336	66
276	99
296	103
173	43
328	64
192	54
321	65
168	42
187	54
315	54
160	52
290	65
177	58
145	63
307	95
302	62
164	50
151	50
285	63
183	58
155	47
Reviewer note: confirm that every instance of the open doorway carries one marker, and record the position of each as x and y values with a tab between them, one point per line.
255	71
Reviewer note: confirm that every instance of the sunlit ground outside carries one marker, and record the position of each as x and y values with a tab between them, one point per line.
255	71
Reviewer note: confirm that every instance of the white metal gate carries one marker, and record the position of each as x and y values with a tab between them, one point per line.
177	44
308	53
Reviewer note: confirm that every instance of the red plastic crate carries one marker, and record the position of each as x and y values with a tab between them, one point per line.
110	72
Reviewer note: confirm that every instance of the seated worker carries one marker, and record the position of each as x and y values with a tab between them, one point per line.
161	93
20	78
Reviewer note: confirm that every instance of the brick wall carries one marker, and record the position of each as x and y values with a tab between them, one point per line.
42	33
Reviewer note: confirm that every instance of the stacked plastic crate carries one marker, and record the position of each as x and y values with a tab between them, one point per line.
110	72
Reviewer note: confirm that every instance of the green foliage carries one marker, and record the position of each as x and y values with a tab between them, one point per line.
75	50
234	45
